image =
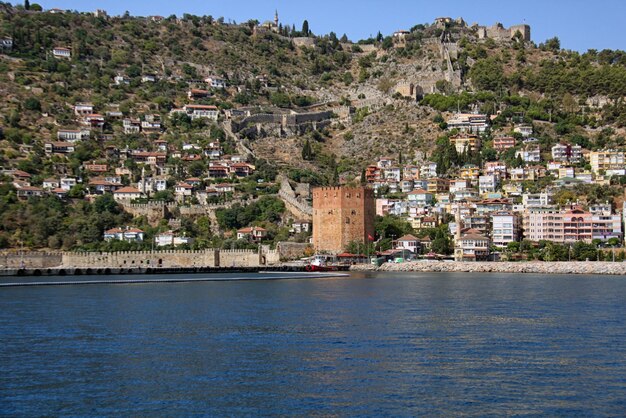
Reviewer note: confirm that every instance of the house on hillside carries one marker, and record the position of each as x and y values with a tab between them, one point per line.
58	147
127	193
62	52
183	189
170	238
124	234
254	233
202	111
83	109
216	82
29	191
409	242
194	94
131	126
72	135
6	44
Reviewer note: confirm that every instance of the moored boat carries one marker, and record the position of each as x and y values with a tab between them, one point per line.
322	263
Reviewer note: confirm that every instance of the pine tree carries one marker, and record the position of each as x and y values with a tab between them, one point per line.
305	28
26	5
306	151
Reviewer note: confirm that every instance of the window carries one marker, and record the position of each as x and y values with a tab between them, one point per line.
353	212
347	220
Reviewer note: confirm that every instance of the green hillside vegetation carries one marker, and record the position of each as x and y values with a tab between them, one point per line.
541	85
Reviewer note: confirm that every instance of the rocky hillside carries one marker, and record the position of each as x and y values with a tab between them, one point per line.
281	69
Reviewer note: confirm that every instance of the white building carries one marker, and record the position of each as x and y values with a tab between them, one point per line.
488	183
420	197
216	82
83	109
530	154
468	122
131	126
567	153
60	52
127	193
6	43
120	79
505	228
408	242
536	199
524	130
169	238
66	183
124	234
428	169
202	111
72	135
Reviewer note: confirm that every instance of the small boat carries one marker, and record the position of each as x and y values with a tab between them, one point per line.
321	263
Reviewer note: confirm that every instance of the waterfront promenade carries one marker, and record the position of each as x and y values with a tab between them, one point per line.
536	267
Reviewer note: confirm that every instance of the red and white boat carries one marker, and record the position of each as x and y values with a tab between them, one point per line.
322	263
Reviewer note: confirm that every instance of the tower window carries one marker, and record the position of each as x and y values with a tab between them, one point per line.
347	220
353	212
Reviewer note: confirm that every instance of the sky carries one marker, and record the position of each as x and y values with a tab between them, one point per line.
579	24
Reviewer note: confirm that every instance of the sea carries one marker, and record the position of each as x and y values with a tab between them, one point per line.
367	344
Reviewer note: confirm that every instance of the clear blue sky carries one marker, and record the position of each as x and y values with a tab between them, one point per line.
579	24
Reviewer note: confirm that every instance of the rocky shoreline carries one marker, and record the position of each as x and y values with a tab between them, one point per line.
536	267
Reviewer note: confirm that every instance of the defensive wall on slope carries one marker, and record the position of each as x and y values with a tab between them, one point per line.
155	211
286	121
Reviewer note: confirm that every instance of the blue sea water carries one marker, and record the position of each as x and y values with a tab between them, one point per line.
367	345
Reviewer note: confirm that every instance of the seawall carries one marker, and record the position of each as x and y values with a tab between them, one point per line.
536	267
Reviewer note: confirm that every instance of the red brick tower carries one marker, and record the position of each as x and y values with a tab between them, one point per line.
340	215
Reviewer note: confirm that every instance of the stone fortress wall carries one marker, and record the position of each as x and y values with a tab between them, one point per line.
32	259
171	258
500	33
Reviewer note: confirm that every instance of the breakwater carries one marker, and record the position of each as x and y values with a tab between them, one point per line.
105	271
536	267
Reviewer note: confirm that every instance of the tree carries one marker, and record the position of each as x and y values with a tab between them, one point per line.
26	5
32	103
488	74
552	44
307	153
441	245
387	43
106	204
305	28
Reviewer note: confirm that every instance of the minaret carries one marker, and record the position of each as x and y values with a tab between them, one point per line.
458	251
143	180
276	19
